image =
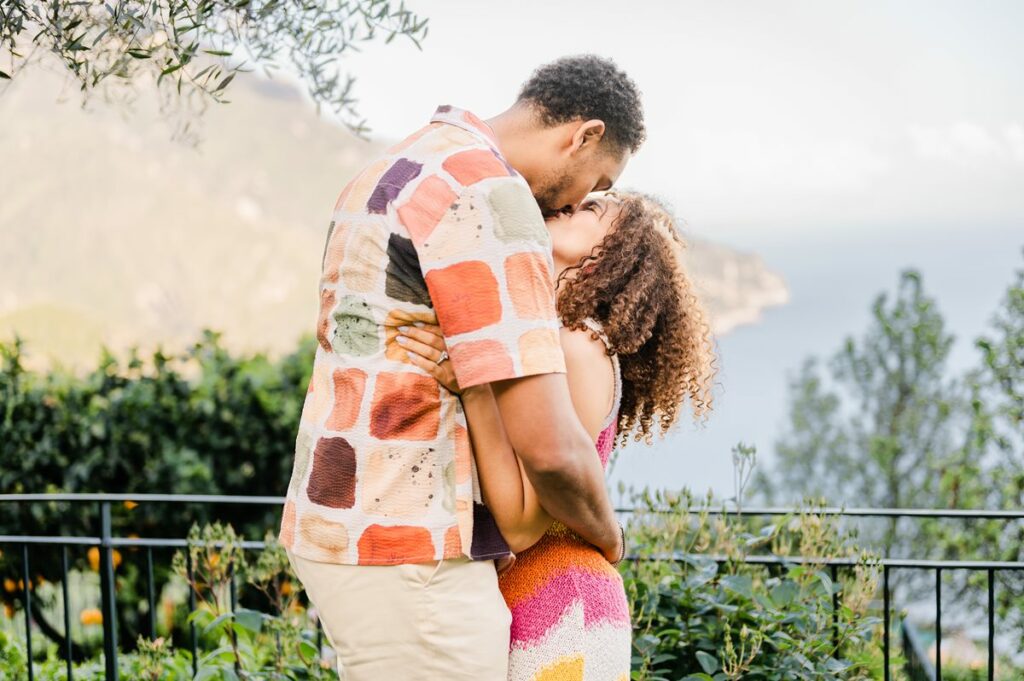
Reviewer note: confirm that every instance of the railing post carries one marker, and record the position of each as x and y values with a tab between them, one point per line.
938	624
886	633
192	636
835	609
27	595
67	609
151	592
108	594
319	638
991	624
234	608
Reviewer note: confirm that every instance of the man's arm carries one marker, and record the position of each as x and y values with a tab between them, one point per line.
558	456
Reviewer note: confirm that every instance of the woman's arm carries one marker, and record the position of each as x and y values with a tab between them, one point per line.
504	485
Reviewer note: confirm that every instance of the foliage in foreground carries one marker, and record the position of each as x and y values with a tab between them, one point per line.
203	421
195	48
695	617
701	613
276	641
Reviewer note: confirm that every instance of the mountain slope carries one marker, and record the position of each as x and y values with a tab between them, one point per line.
113	233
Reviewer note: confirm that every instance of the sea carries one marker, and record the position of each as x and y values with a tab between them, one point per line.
833	275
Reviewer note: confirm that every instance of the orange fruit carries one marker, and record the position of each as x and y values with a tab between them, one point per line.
91	616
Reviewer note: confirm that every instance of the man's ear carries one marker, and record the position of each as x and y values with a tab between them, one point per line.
588	135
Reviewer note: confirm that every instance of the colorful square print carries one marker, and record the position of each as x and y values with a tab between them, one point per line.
425	207
465	296
400	481
482	361
469	167
529	283
332	481
540	352
460	234
349	385
365	256
327	538
388	545
406	406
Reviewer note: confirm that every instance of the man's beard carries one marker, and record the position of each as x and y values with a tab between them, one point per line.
547	194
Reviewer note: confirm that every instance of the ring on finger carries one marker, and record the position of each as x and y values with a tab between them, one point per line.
443	357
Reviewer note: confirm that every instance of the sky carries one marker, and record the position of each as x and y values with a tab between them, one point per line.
782	115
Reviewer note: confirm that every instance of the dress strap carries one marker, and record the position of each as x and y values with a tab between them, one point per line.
596	327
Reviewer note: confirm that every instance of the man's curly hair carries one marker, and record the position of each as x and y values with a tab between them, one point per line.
633	283
588	87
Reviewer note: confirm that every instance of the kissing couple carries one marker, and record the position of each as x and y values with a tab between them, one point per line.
494	319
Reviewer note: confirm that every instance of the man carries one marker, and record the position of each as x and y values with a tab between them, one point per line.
383	521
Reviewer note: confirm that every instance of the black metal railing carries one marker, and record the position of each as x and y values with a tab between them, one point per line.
106	543
918	666
889	565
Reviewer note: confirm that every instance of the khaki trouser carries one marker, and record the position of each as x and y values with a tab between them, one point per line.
424	621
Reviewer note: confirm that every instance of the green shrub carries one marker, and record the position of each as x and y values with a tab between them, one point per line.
278	641
701	612
201	421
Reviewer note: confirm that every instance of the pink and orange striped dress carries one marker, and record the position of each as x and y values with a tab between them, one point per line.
570	617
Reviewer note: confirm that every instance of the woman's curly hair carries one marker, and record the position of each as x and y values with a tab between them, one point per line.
634	284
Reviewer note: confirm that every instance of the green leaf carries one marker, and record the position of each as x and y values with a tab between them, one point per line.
836	666
308	649
222	653
741	584
224	83
708	662
216	622
783	593
199	617
826	581
250	620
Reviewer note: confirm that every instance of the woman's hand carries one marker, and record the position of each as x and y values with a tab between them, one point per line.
426	349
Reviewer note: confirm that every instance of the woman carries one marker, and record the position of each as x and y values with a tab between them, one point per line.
636	346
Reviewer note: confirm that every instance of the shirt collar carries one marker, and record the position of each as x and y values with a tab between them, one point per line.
467	121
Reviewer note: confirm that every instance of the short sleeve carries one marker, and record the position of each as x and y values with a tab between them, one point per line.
485	254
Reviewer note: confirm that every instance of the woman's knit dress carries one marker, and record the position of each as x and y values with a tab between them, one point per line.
570	617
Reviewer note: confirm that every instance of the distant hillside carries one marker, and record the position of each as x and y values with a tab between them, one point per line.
112	233
734	286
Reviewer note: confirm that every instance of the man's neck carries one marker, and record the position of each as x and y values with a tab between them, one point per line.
517	132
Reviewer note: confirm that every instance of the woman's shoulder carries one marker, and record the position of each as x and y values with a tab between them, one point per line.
591	377
582	342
